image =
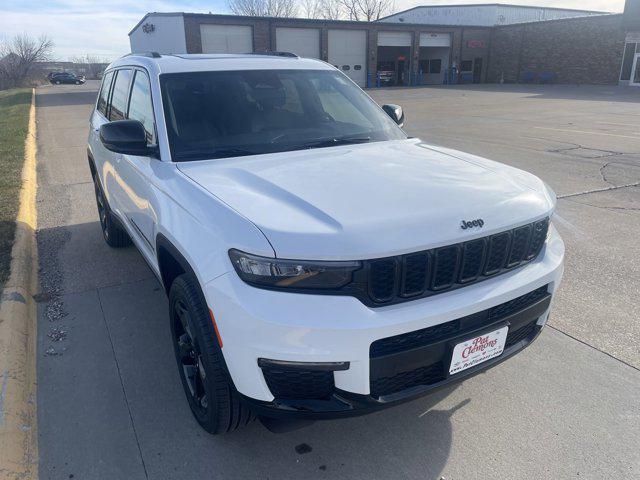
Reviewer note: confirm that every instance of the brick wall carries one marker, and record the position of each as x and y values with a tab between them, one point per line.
574	51
580	50
264	34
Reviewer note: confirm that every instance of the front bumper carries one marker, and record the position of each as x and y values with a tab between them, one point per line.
260	324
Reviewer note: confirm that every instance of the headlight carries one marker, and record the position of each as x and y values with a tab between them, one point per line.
277	273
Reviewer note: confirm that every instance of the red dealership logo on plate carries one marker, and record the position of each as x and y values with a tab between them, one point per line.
479	344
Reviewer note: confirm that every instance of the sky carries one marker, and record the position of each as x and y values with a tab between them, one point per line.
80	27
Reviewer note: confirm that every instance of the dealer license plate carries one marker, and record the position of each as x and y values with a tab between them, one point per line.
477	350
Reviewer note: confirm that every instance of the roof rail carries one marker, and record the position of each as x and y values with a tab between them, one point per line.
277	54
144	54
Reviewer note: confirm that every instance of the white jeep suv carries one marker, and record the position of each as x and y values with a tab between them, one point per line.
319	263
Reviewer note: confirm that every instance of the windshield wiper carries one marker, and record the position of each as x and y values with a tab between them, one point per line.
221	153
332	142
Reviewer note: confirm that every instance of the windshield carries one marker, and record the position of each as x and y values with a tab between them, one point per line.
234	113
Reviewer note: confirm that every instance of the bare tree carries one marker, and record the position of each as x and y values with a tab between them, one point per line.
312	8
332	9
18	55
264	8
367	10
91	64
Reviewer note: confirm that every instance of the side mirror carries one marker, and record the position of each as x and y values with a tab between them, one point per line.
395	112
127	137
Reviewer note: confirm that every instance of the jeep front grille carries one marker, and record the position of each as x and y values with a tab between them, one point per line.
421	274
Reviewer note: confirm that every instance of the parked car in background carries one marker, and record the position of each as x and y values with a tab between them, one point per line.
319	262
66	78
386	73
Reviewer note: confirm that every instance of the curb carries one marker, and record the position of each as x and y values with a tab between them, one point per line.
18	420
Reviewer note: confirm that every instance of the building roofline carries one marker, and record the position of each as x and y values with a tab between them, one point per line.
159	14
568	19
319	21
495	5
386	25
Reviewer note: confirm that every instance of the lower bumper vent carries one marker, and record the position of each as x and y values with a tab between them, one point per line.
298	384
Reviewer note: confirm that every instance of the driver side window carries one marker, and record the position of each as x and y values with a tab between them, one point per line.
140	106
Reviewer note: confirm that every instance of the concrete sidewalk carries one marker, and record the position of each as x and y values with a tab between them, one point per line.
110	403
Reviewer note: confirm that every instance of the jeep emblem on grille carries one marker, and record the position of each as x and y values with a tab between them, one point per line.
472	224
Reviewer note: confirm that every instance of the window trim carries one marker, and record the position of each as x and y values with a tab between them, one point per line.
107	102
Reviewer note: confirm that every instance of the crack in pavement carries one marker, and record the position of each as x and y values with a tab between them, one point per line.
597	190
603	175
612	208
557	329
604	153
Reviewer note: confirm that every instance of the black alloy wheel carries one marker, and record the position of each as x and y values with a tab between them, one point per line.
190	358
213	400
114	235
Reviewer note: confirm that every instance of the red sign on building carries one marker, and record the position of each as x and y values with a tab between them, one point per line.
476	44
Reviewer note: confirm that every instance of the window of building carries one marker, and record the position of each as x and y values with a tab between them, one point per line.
466	66
104	93
627	61
140	106
119	96
433	66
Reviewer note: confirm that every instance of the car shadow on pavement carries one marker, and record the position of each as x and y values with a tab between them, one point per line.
394	443
111	405
58	99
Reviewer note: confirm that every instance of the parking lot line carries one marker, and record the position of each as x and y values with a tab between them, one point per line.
635	137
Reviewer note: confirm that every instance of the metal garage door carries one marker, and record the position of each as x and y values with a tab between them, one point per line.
226	39
304	42
348	52
435	40
394	39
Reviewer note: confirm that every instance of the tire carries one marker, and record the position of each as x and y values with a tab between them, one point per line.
78	83
212	399
114	235
57	82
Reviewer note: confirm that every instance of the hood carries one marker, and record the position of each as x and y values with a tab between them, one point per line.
371	200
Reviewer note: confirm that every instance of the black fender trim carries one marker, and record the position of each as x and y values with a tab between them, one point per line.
164	243
92	162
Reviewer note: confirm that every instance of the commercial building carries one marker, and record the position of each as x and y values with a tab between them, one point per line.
630	70
483	15
421	46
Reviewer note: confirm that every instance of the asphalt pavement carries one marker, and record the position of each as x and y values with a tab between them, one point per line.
110	403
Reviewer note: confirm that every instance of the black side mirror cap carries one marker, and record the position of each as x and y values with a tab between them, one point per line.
395	112
127	137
